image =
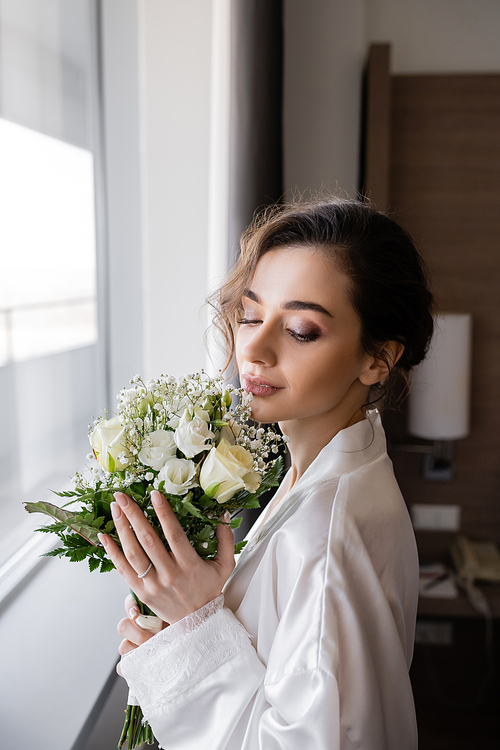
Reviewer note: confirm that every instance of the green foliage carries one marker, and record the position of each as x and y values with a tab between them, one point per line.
198	513
84	525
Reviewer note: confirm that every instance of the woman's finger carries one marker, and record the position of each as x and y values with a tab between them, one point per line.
141	544
132	632
225	548
131	609
174	533
132	550
124	648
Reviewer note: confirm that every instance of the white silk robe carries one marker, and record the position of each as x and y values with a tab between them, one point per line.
310	644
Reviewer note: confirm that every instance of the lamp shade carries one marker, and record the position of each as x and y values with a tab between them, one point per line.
439	403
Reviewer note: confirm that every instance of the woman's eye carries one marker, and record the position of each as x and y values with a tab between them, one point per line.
248	321
308	336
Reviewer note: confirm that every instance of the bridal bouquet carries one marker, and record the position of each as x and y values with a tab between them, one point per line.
191	439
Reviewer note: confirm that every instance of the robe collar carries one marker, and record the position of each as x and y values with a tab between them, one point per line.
348	450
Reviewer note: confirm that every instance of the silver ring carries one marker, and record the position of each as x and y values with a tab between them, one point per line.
143	575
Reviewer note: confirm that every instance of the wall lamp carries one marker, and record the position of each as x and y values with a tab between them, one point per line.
439	402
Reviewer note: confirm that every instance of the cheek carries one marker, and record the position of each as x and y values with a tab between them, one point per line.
239	346
328	375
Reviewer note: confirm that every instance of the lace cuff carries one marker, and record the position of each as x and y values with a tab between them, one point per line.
181	656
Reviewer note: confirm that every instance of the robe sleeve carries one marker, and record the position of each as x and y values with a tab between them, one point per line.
200	683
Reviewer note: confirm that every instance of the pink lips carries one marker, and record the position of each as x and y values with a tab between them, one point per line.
258	386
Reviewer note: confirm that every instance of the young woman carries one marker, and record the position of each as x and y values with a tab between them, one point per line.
310	642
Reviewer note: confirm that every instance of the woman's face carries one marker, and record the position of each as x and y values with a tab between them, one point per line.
298	343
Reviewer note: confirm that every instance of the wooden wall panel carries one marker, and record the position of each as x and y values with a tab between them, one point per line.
377	123
445	189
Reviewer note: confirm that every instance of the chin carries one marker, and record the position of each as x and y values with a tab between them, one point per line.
264	413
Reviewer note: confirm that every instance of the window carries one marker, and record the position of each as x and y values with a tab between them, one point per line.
47	285
50	372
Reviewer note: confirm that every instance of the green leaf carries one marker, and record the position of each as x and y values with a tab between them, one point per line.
72	520
272	477
239	546
50	529
77	555
54	552
205	502
93	563
219	422
252	502
236	522
72	502
205	534
138	488
192	509
67	493
106	566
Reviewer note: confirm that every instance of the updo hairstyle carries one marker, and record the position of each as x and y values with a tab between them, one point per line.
389	288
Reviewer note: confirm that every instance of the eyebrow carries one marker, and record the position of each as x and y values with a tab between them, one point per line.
292	305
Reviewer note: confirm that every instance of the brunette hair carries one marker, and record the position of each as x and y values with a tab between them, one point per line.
389	288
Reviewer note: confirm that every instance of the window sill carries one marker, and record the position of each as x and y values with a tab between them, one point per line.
58	627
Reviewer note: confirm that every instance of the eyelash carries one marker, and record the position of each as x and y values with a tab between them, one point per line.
303	338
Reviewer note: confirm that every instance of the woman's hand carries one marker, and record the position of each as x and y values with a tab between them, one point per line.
173	584
133	635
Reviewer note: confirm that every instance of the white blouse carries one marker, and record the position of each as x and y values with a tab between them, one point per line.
310	644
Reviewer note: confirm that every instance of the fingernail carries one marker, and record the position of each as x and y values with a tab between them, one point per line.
133	613
103	540
115	511
157	499
227	516
121	499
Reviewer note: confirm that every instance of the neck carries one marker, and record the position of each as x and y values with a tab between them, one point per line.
308	436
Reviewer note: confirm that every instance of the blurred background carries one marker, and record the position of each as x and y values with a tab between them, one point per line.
137	139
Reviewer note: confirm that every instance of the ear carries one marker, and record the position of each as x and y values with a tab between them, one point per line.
379	366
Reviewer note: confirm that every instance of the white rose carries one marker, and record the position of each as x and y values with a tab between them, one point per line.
229	467
192	432
178	475
229	432
157	448
108	442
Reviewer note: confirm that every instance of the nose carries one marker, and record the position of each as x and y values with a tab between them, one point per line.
259	346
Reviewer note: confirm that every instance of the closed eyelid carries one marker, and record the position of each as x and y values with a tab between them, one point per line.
249	312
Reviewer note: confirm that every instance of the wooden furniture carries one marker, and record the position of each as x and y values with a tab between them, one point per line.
460	606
